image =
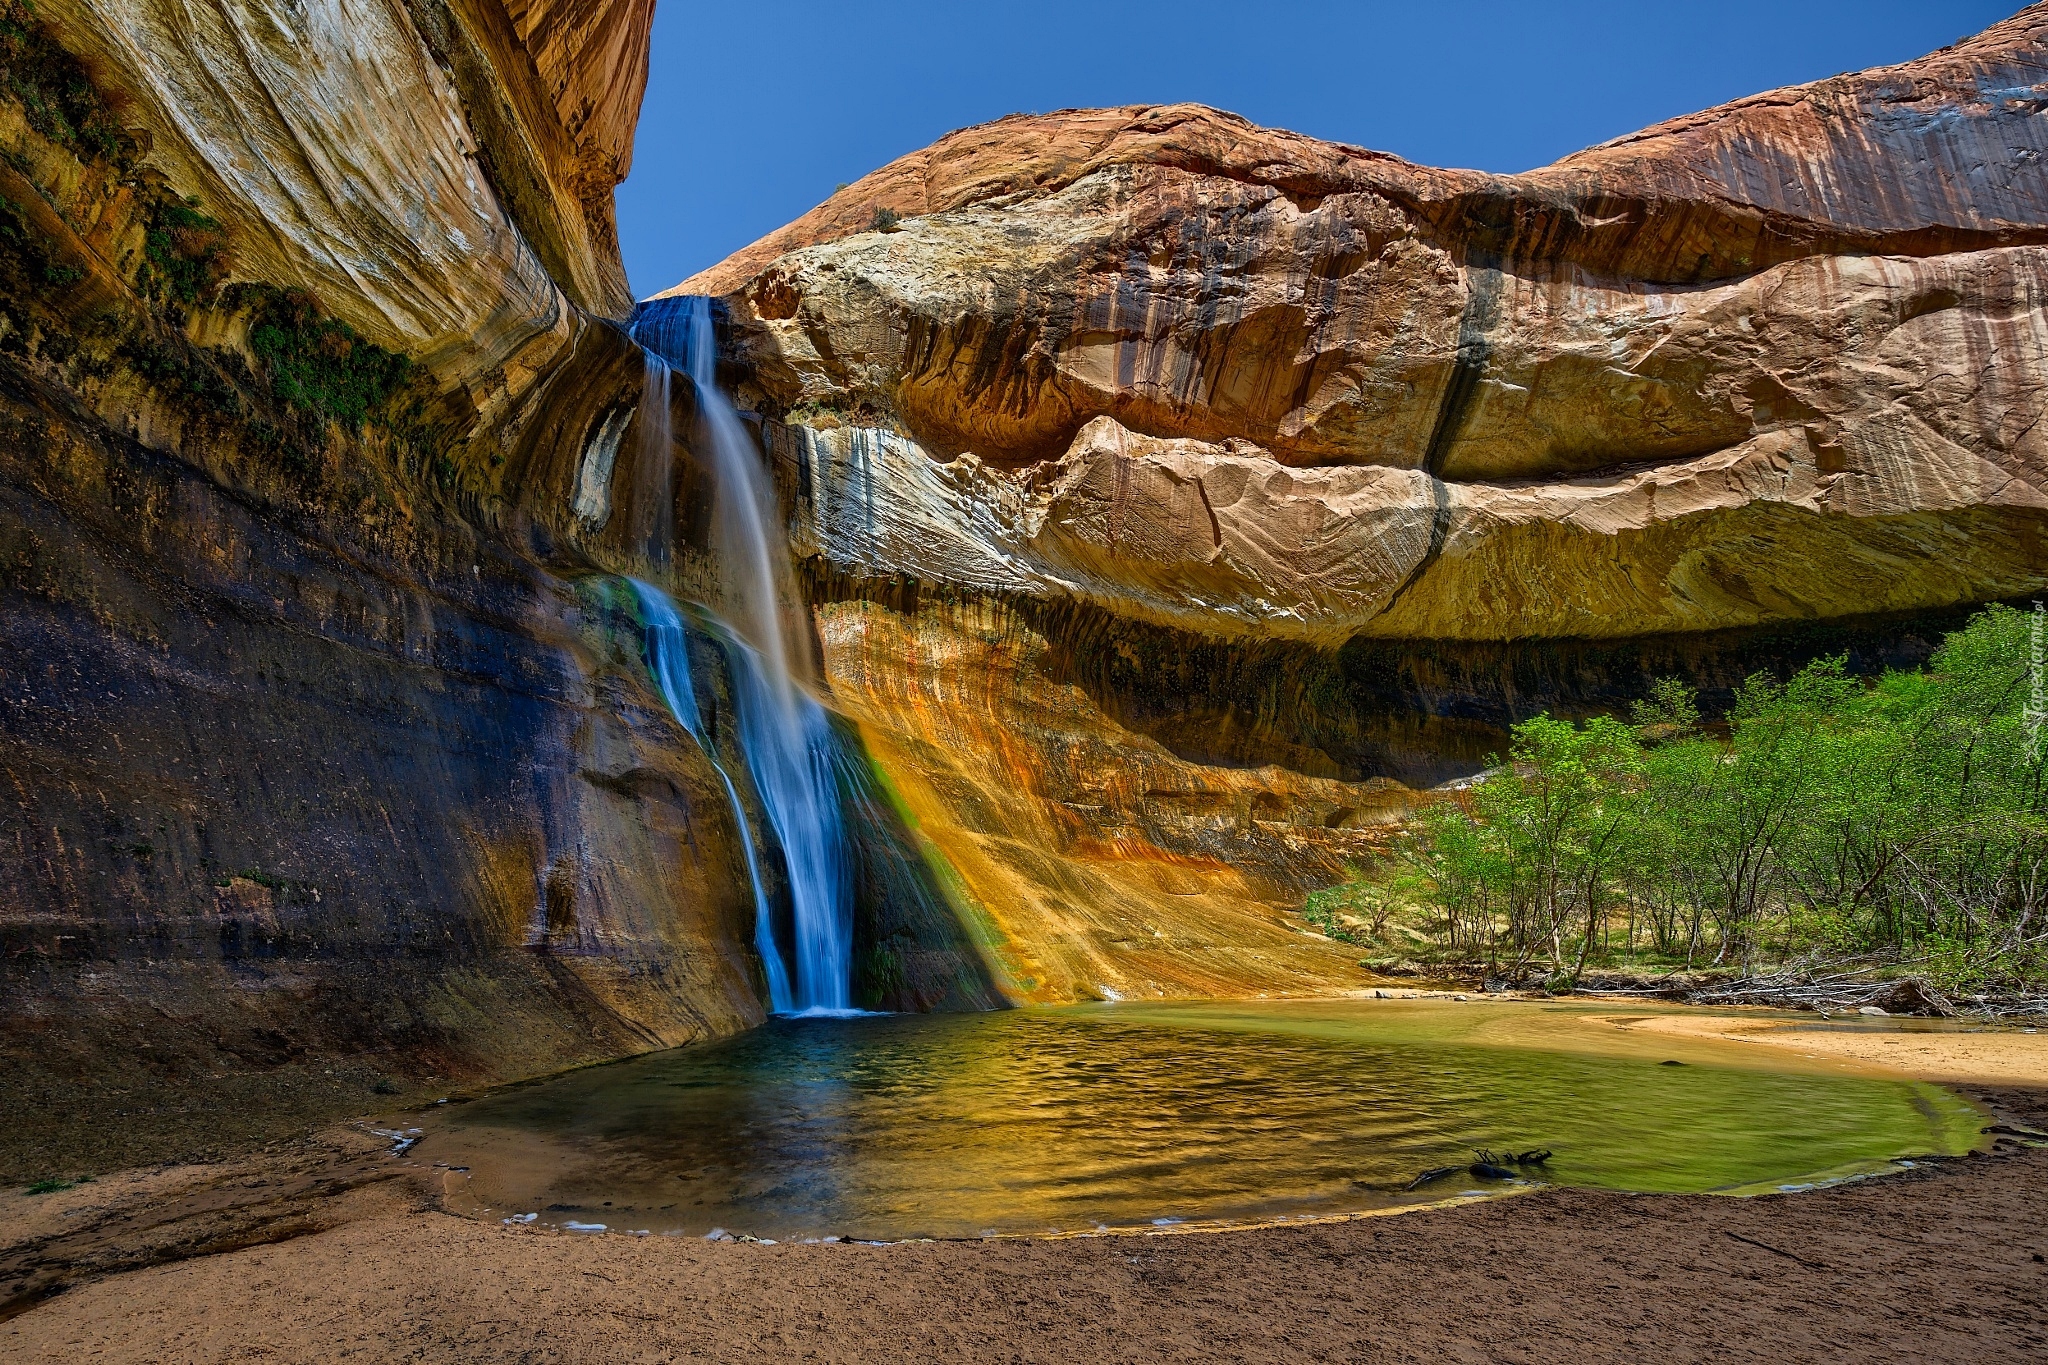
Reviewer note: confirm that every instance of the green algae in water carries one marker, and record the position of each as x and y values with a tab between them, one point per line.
1731	1118
1139	1115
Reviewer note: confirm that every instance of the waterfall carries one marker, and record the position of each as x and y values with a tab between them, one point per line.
655	474
668	659
784	732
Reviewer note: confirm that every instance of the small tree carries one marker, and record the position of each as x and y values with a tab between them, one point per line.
1905	818
1541	845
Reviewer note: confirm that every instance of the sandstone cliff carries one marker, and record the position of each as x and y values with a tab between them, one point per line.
332	769
1171	495
1167	481
1778	361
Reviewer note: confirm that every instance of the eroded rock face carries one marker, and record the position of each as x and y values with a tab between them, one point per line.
332	768
1090	861
1162	486
1165	479
1211	538
292	816
1781	360
438	175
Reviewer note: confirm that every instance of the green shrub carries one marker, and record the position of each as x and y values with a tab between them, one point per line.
187	252
53	89
1906	818
318	364
1335	911
183	370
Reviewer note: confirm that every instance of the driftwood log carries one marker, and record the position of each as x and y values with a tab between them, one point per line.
1489	1166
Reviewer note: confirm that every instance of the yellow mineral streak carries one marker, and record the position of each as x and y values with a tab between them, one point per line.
1087	860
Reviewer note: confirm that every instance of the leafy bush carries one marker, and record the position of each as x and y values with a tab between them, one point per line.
1324	907
186	250
319	364
183	370
1908	818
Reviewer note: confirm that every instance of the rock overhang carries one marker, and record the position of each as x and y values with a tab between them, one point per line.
1651	388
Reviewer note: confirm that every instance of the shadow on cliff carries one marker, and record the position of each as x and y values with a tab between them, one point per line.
1422	712
912	942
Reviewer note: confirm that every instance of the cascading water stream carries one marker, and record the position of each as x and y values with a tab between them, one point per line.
784	732
655	459
668	659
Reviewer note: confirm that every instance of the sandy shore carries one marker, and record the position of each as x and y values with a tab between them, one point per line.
1945	1262
1947	1051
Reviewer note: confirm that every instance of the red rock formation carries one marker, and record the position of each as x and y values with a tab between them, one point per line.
438	173
330	755
1775	361
1149	454
1932	155
328	768
575	71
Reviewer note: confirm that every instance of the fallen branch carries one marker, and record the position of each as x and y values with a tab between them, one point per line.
1777	1251
1489	1166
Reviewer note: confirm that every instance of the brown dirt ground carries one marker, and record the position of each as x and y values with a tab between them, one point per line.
1948	1262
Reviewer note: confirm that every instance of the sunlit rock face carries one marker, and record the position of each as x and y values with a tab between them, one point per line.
438	174
1163	488
1169	481
1088	860
1778	361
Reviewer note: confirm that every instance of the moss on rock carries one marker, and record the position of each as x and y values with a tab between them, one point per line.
55	93
186	253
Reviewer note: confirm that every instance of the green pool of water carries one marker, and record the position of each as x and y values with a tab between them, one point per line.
1129	1115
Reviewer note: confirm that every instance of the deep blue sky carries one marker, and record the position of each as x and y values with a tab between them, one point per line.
756	109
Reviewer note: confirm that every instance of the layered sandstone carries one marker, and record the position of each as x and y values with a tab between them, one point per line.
1162	487
1088	860
1778	361
1169	482
331	766
437	174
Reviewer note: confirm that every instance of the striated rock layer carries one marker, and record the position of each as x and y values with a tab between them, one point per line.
1782	360
330	767
1088	860
1165	488
438	174
1282	462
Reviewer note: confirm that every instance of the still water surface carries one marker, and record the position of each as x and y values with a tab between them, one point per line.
1032	1121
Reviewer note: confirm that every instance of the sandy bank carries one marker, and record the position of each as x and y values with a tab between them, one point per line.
1948	1051
1946	1262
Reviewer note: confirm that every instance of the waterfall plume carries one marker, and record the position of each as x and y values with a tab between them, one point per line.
784	732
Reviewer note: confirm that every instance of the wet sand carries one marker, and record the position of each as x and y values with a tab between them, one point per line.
1945	1262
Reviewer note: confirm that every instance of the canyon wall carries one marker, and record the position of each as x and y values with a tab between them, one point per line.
1171	497
1170	484
333	772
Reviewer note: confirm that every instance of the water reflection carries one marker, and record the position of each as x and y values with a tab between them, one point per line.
1070	1119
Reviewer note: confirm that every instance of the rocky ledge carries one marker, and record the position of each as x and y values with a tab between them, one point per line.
1779	361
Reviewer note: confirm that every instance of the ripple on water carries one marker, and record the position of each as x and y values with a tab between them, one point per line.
1148	1116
